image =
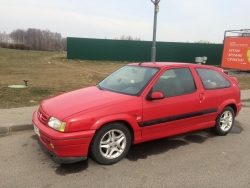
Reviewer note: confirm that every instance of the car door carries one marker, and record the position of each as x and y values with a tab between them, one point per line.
179	109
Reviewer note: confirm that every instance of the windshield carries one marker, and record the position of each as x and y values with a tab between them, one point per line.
128	79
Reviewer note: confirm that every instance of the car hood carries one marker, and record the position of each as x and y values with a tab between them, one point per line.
67	104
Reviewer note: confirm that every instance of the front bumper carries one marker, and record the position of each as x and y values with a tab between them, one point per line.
63	160
63	147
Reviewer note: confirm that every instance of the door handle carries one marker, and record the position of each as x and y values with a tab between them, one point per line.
202	96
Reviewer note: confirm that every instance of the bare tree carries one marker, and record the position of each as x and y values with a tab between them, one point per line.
64	44
4	37
129	38
123	37
1	36
38	39
18	36
204	41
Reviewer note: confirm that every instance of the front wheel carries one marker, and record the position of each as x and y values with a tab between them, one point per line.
224	122
110	143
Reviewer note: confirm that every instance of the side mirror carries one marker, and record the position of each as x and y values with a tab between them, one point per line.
156	96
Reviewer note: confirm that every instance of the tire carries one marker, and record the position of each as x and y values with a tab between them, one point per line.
110	143
224	122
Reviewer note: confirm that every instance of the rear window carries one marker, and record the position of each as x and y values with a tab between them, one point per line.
212	79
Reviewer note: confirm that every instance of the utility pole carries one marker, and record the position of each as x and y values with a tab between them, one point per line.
156	10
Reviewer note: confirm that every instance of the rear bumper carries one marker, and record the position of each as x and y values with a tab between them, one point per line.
238	106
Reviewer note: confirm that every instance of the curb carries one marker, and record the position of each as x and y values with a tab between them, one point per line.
245	100
15	128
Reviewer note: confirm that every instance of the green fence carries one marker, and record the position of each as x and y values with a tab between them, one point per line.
140	51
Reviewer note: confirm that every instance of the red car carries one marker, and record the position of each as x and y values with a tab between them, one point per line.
137	103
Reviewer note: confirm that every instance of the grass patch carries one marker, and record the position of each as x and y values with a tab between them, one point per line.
51	73
48	74
40	91
244	82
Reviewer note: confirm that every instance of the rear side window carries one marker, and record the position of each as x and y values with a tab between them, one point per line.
212	79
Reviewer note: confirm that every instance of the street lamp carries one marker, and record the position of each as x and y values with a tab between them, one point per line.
156	10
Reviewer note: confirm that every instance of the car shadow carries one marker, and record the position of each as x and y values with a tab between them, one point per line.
155	147
237	128
64	169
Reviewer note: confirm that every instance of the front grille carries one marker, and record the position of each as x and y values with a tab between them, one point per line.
42	116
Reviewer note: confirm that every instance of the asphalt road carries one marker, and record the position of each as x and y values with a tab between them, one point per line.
197	159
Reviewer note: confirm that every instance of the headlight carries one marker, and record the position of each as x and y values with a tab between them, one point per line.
56	124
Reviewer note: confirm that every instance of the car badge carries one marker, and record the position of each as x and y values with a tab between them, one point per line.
40	115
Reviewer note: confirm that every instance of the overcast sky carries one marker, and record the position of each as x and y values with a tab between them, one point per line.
178	20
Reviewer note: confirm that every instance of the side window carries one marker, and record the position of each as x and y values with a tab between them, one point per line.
174	82
212	79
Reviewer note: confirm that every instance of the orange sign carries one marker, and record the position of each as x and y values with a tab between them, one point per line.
236	53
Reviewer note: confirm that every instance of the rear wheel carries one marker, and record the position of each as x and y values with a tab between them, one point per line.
110	143
224	122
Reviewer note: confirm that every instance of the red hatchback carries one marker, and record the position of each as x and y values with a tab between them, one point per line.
137	103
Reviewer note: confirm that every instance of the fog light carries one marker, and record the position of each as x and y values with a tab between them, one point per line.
52	145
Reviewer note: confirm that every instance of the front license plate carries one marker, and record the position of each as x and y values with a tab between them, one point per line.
36	130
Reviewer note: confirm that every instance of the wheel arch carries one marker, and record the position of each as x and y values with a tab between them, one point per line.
233	106
126	124
231	103
125	119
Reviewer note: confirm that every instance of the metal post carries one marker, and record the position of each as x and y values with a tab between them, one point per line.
156	10
26	82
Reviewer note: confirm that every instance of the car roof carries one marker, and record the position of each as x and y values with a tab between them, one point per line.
170	64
